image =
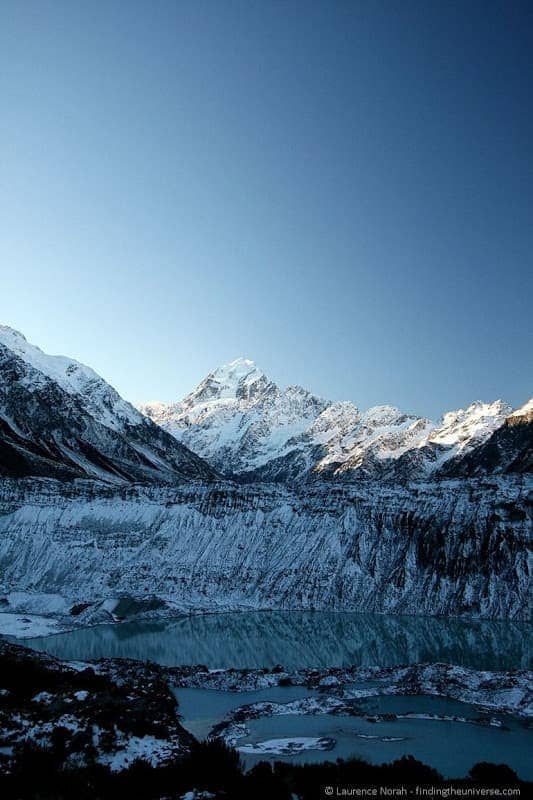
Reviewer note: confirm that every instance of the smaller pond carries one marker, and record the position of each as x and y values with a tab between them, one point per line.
449	746
202	709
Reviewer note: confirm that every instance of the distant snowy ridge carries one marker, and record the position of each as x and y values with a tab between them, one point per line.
245	425
59	418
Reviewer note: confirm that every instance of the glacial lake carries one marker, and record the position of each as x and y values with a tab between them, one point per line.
300	639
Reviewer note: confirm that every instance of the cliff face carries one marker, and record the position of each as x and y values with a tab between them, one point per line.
447	548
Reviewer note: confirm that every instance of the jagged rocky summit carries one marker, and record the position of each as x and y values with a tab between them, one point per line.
246	426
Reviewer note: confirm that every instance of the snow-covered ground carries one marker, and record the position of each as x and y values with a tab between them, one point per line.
340	689
129	747
283	747
126	712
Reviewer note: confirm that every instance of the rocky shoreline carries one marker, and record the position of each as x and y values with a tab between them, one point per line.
506	692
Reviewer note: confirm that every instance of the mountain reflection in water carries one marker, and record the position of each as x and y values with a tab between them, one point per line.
299	639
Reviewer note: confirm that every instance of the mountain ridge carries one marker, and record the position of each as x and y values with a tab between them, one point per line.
387	524
251	429
59	418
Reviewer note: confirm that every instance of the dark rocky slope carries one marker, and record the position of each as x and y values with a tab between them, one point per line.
508	450
48	431
108	713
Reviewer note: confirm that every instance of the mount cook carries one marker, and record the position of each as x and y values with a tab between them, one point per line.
245	495
245	426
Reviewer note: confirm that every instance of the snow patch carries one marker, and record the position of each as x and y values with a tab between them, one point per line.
27	626
285	747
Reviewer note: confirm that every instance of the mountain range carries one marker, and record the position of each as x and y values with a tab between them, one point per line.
59	418
250	429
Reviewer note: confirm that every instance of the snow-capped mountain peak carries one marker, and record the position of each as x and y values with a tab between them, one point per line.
237	371
244	424
10	334
237	417
466	427
239	380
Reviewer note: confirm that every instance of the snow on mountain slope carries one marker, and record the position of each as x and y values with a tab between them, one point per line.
60	419
245	425
100	399
508	449
464	429
378	434
522	415
399	446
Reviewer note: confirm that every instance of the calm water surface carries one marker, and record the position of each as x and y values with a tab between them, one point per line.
451	747
298	639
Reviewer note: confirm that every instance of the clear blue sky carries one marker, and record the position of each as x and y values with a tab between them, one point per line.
342	191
